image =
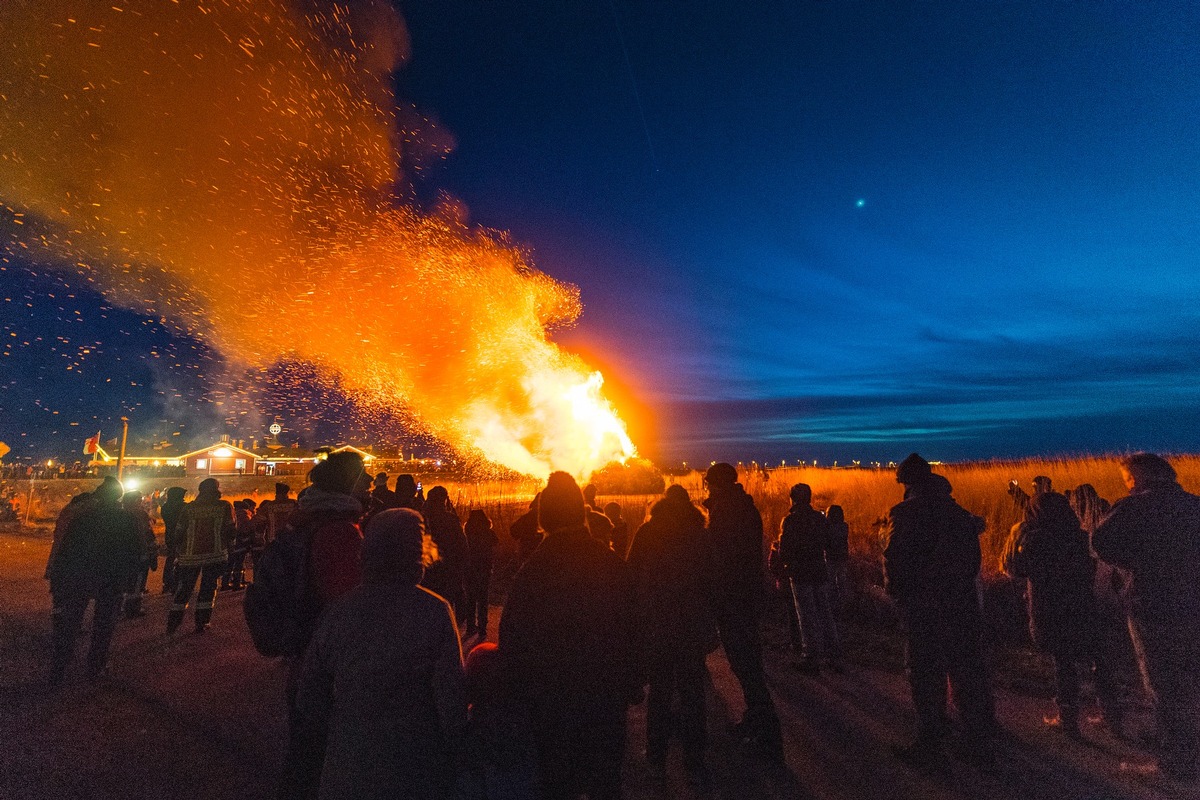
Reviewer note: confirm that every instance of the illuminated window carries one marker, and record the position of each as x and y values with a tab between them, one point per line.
239	463
201	463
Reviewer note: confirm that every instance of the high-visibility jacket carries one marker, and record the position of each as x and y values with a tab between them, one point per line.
205	530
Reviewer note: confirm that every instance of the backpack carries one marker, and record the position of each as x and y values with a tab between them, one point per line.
280	605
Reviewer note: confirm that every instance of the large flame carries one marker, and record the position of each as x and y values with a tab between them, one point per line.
232	166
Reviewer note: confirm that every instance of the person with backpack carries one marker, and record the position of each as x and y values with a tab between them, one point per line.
803	543
931	564
206	529
315	560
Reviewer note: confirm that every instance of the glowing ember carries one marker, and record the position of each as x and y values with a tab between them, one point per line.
231	166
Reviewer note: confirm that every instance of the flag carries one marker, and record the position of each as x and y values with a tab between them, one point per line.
92	445
4	449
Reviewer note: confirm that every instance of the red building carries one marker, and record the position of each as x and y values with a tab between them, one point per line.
222	458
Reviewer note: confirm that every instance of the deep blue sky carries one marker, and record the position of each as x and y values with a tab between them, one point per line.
1019	278
845	230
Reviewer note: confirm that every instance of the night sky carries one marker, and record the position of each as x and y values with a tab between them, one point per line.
802	230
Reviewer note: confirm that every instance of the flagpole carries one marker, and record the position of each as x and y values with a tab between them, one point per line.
121	457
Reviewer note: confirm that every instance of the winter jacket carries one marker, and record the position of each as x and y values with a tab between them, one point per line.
838	550
1154	533
803	542
671	571
481	548
272	516
567	627
383	684
205	530
78	505
736	538
170	516
1050	551
932	556
101	548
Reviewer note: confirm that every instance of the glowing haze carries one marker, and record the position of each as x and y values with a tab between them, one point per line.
233	167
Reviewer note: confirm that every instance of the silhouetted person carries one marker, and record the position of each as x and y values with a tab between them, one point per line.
837	556
206	529
481	546
803	542
382	498
527	532
1050	551
736	538
1118	676
274	514
1154	533
172	507
498	758
931	565
136	588
78	504
447	575
408	493
326	519
1041	485
98	552
382	702
671	561
601	527
619	538
566	635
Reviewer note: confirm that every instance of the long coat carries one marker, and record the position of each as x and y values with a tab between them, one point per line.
383	684
1050	550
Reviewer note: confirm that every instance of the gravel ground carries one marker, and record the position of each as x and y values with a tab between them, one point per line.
202	716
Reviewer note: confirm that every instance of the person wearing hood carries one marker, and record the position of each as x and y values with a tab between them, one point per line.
566	636
1050	552
931	564
327	516
172	507
1154	534
382	701
676	627
99	551
735	531
804	540
206	530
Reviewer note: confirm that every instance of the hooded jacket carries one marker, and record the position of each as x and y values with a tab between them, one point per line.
335	555
803	542
736	538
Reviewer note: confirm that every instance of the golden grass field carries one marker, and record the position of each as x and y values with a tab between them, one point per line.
864	494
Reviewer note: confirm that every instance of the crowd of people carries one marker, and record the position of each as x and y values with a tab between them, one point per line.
385	586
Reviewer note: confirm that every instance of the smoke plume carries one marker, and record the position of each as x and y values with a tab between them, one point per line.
234	167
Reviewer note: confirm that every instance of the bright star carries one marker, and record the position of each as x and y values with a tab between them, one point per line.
859	203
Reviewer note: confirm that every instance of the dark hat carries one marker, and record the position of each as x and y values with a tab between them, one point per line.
393	547
561	505
721	474
912	470
209	486
282	488
338	473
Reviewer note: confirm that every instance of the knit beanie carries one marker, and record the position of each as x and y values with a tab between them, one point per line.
338	473
561	505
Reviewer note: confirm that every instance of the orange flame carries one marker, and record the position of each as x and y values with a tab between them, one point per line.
232	169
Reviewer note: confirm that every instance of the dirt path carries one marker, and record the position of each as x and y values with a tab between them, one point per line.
202	717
